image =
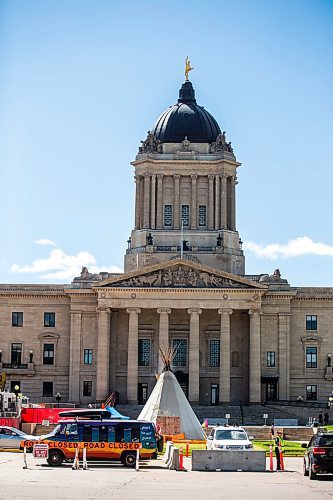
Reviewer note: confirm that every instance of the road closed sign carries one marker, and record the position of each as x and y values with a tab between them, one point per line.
41	450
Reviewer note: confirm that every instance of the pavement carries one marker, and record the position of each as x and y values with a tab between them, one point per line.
153	482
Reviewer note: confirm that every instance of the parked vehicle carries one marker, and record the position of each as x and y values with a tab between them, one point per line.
318	458
10	438
103	439
228	438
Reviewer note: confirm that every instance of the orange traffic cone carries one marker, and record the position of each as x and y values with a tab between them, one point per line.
271	466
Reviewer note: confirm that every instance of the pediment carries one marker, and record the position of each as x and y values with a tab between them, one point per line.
179	273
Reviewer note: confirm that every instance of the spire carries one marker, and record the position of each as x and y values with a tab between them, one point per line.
186	93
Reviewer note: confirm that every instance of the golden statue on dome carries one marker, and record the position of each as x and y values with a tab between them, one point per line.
188	68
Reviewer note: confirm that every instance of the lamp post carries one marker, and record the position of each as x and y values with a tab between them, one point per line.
58	398
31	355
16	390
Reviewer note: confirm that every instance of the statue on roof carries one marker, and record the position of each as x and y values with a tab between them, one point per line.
221	144
151	144
188	68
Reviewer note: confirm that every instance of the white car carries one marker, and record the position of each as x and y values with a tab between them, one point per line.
228	438
10	438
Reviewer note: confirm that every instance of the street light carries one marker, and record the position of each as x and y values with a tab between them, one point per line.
58	397
16	390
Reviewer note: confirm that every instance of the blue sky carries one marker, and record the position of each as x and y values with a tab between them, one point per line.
81	82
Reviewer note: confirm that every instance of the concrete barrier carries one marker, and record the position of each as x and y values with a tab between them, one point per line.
247	461
166	456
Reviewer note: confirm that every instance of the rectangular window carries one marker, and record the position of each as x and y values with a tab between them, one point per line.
214	353
271	359
47	389
16	354
49	319
311	322
311	357
17	318
186	215
202	215
144	352
180	357
87	388
88	356
48	354
168	215
311	393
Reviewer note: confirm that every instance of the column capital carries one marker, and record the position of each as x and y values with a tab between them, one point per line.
137	177
194	177
76	312
176	176
104	309
225	311
159	176
194	311
211	177
254	313
146	175
162	310
135	310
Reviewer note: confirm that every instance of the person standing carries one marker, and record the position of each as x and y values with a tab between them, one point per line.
278	443
326	418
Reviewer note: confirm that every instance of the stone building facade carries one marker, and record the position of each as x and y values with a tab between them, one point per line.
237	337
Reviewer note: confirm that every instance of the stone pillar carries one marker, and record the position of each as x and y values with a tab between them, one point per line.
233	203
176	202
146	201
224	204
163	335
137	201
224	380
284	354
103	353
75	357
217	202
132	360
211	202
193	361
194	216
153	202
255	359
159	208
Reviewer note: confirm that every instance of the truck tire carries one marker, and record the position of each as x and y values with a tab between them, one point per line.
56	457
129	458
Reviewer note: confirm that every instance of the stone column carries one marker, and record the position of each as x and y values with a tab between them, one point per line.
194	216
211	202
153	201
233	183
137	201
163	334
193	361
146	201
176	202
224	380
255	359
217	202
132	360
103	353
75	357
284	354
224	204
159	208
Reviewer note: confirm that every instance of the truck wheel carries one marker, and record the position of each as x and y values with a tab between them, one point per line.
129	459
56	458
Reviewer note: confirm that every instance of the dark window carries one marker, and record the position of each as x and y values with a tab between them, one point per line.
186	215
47	389
271	391
270	359
214	353
214	394
15	386
49	319
103	433
87	432
16	354
180	357
311	357
202	215
142	393
17	319
168	215
48	354
88	357
311	322
144	352
311	393
87	388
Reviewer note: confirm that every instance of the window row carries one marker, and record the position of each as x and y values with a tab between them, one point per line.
49	319
48	389
311	355
202	215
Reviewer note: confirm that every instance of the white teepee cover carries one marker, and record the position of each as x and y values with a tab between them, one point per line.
168	400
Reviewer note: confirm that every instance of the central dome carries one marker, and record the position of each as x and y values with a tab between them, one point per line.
186	119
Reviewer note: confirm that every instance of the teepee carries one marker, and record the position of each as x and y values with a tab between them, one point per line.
168	400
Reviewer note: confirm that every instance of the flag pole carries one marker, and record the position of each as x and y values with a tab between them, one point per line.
181	239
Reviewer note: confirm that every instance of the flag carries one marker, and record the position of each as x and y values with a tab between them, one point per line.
205	423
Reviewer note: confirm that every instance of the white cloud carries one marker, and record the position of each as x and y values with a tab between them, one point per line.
294	248
59	266
45	241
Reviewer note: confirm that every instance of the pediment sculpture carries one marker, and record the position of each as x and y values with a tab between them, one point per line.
221	144
150	144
